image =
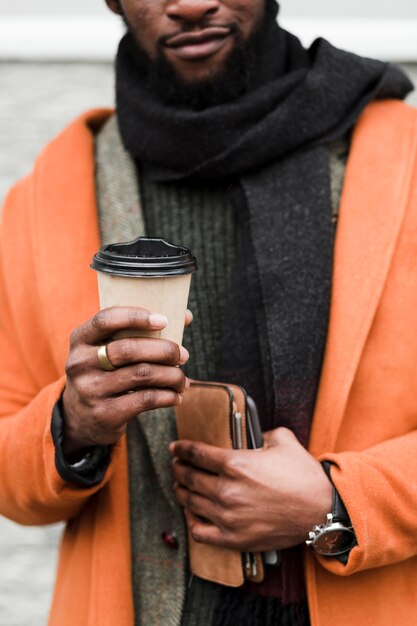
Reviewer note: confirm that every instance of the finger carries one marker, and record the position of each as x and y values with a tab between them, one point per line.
108	321
188	317
201	455
144	375
196	504
123	352
195	480
117	411
204	532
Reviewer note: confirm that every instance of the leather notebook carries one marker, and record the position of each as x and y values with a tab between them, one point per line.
217	414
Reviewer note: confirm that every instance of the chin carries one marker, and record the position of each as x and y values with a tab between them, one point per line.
198	78
200	83
199	72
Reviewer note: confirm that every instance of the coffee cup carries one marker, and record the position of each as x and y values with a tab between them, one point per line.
150	273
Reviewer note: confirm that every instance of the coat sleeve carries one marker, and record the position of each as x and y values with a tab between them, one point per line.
31	490
379	489
378	484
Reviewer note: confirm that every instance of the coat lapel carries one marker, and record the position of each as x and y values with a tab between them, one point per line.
373	204
118	195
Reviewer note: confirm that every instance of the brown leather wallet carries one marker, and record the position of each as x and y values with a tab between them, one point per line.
216	413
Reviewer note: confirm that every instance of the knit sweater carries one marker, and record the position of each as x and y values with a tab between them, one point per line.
202	218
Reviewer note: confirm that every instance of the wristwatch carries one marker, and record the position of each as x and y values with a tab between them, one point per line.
336	537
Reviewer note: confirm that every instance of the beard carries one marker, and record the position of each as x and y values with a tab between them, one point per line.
229	83
237	76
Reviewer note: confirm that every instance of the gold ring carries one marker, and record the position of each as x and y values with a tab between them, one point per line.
104	360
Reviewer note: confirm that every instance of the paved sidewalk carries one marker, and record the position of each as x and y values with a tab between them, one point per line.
36	101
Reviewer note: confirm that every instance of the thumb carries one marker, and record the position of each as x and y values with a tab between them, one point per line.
278	437
271	438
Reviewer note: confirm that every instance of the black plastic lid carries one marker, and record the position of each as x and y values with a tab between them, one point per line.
144	257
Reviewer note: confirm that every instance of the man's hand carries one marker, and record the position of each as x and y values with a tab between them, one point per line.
251	500
98	404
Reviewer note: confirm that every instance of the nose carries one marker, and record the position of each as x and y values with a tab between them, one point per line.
191	10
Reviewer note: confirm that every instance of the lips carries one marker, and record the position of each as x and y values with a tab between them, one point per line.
199	44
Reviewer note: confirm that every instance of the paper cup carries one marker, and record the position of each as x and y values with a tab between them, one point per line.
150	273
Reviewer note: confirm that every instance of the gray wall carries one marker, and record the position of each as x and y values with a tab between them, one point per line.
354	8
52	7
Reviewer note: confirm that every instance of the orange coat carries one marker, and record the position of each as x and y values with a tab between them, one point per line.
366	415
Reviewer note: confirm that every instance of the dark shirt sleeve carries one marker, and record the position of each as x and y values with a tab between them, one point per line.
91	469
343	515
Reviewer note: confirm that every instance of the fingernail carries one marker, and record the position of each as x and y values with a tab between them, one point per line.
187	383
180	398
171	448
184	355
158	320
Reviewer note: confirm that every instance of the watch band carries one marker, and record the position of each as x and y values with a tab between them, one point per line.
339	511
336	538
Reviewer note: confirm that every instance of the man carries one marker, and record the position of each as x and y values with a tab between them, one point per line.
236	138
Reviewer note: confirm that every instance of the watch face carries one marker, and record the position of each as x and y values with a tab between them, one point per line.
335	541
